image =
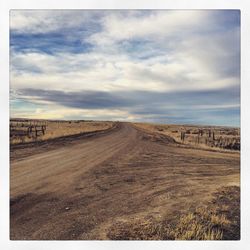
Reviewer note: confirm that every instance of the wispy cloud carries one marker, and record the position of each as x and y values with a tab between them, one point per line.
126	60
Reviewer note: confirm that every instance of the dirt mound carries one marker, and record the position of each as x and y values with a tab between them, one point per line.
156	137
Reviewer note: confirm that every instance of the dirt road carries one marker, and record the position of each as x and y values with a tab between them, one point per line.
79	190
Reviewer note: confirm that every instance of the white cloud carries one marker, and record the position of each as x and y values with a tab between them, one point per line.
117	72
186	58
43	21
157	51
60	112
156	25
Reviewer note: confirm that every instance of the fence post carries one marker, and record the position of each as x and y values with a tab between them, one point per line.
43	129
182	136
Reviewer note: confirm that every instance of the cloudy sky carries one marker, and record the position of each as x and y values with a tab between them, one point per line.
153	66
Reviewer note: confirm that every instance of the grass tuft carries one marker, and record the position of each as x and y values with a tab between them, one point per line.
218	220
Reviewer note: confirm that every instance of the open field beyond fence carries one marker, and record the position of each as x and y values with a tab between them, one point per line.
200	136
25	130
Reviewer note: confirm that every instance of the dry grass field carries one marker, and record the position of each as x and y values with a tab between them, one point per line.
218	219
126	182
20	129
198	136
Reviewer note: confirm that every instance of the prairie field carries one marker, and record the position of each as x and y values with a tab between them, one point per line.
52	129
198	136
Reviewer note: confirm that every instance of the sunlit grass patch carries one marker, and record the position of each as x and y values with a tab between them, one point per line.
217	220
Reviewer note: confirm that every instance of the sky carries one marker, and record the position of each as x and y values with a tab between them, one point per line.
159	66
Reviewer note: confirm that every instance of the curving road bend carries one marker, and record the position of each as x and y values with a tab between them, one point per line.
78	190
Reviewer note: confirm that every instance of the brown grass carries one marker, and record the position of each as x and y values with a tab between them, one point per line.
217	220
224	137
55	129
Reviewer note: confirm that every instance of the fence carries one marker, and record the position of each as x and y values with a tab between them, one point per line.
27	129
220	138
